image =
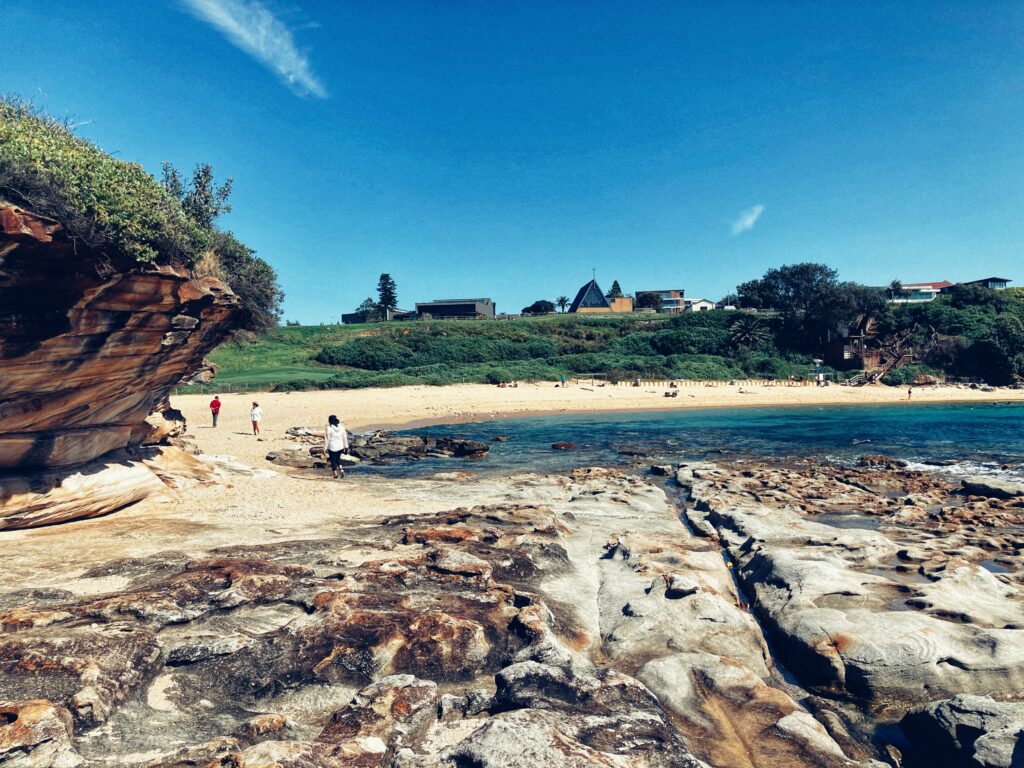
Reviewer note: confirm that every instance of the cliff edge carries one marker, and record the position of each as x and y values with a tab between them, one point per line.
91	344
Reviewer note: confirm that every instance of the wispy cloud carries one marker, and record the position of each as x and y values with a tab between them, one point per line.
251	26
747	219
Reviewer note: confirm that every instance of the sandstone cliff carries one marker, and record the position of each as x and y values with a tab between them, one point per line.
90	346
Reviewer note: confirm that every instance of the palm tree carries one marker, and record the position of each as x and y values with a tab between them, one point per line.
746	330
562	302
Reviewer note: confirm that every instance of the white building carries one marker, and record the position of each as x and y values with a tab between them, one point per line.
915	293
698	305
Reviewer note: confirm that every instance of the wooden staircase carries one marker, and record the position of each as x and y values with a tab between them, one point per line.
870	377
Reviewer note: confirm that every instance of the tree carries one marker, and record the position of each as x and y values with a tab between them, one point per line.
562	302
841	305
387	294
369	310
649	300
963	295
746	330
790	289
896	290
615	292
540	307
252	279
203	202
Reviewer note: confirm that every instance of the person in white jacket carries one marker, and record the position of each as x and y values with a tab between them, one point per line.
256	414
335	441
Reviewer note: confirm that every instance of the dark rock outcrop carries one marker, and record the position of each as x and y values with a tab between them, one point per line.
378	447
881	460
992	487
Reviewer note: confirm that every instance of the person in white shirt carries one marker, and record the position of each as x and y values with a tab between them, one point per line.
335	441
256	414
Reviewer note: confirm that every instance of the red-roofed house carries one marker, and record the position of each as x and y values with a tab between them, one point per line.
918	292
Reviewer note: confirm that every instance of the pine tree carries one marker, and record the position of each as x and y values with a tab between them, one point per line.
387	293
615	292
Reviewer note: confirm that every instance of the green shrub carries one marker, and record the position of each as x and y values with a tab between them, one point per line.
103	202
497	377
901	377
633	344
372	353
697	333
117	208
703	368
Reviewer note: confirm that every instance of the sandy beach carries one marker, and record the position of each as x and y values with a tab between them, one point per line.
364	409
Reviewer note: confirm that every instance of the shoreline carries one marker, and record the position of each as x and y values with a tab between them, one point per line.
403	408
416	402
536	414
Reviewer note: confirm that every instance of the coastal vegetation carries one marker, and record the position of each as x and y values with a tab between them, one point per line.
122	213
973	333
709	345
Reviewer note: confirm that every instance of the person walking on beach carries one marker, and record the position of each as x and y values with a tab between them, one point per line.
256	414
215	408
335	441
910	391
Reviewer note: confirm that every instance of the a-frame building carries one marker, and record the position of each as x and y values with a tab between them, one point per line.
591	298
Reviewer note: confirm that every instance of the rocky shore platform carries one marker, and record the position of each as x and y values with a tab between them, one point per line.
735	614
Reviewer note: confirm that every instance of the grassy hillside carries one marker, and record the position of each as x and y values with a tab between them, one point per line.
972	334
709	345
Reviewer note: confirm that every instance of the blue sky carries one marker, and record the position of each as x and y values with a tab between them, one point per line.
505	149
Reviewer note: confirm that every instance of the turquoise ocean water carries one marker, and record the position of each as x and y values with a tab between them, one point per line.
976	437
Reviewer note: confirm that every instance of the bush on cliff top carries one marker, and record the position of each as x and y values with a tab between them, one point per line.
106	203
114	206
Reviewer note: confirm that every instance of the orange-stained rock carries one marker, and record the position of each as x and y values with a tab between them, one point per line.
36	734
90	346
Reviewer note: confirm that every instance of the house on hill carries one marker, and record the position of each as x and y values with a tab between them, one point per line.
916	293
698	305
995	283
456	309
351	318
591	299
672	299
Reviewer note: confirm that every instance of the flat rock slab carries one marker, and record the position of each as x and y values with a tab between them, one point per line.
560	621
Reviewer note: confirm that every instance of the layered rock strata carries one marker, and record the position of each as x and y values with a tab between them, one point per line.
550	621
90	346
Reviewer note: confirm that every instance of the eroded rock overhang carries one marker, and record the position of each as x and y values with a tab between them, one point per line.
91	344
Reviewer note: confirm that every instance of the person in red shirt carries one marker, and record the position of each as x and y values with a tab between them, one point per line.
215	408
